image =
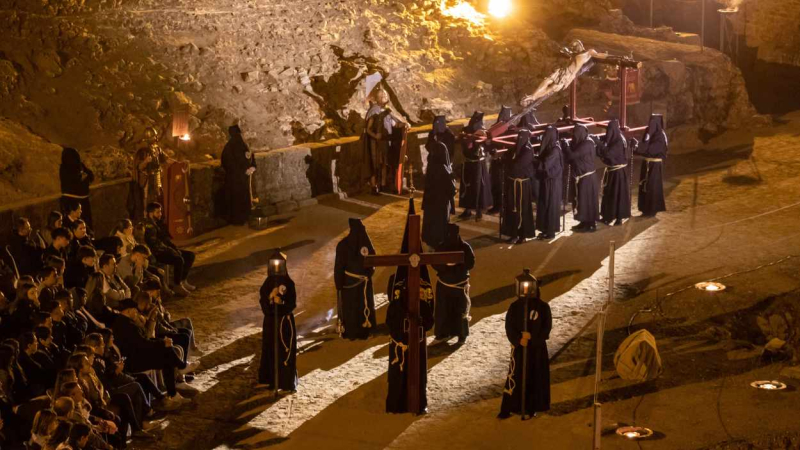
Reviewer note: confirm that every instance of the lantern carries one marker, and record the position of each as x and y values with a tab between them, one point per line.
527	285
180	122
277	264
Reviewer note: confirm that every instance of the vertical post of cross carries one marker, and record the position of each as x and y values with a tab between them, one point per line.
573	99
623	97
413	313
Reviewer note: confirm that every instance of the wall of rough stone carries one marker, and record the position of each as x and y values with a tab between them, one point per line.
773	26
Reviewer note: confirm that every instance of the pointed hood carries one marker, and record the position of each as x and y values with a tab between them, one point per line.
550	138
614	134
504	115
401	273
475	122
523	140
439	124
528	121
70	159
359	238
453	236
655	127
579	134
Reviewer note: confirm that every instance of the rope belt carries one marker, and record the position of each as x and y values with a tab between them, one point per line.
74	196
510	377
518	182
464	286
475	160
577	180
362	280
285	346
606	172
647	172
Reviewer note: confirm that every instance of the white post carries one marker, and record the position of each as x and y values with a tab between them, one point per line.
601	324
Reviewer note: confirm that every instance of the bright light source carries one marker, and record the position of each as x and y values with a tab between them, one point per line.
634	432
710	286
500	8
185	137
462	10
768	385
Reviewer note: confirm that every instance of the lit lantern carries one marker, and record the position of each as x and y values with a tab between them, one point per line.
277	264
500	8
527	285
180	122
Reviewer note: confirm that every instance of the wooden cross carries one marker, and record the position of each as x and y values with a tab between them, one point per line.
414	259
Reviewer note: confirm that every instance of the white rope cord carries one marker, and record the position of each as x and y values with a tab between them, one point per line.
510	377
286	347
518	182
362	279
647	172
606	172
577	180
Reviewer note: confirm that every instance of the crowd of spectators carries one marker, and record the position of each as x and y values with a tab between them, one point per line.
89	355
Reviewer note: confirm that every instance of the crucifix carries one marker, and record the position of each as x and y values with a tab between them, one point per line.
413	260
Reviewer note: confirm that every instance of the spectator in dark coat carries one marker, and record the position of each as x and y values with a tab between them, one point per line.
75	180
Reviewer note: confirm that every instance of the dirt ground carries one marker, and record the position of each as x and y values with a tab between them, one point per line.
732	211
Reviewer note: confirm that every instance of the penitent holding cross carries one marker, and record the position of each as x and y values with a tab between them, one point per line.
414	260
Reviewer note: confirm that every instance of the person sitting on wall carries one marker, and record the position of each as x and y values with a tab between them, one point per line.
157	237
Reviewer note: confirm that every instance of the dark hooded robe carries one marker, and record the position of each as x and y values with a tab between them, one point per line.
236	160
518	207
438	196
75	180
581	155
282	287
537	387
354	282
372	161
441	133
529	122
653	149
452	289
476	184
397	319
549	168
616	203
499	163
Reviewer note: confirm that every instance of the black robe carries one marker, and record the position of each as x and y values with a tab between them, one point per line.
452	292
287	337
476	181
549	171
518	205
616	203
499	162
236	159
537	387
75	179
439	191
651	184
396	318
354	282
581	158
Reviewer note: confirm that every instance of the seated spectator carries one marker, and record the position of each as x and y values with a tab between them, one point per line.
114	289
22	312
80	238
59	246
60	437
54	220
157	237
145	353
183	325
117	378
124	231
109	245
81	413
71	329
133	267
72	213
96	300
48	284
25	247
39	378
79	436
49	348
44	425
79	269
79	302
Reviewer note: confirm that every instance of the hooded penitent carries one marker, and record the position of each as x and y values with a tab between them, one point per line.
452	288
504	115
441	133
518	209
438	196
475	122
354	282
549	172
528	121
654	151
616	202
581	157
236	160
278	300
475	192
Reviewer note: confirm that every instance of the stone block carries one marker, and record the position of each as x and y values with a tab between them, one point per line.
307	202
286	206
281	175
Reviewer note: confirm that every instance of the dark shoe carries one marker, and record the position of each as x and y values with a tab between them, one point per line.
579	227
461	341
606	222
512	241
590	227
466	214
424	411
545	236
478	216
618	222
503	415
493	211
376	191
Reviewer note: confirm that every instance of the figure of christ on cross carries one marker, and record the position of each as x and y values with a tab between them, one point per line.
414	260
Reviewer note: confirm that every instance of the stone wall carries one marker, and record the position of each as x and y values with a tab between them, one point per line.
773	27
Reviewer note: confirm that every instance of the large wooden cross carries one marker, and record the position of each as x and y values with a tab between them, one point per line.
413	260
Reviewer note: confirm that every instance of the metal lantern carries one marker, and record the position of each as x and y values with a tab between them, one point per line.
277	264
527	285
180	122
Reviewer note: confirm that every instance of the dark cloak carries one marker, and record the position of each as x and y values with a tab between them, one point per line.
236	159
441	133
369	144
616	203
475	192
396	317
287	337
549	170
518	206
499	162
581	158
354	281
439	191
75	180
452	288
651	184
537	387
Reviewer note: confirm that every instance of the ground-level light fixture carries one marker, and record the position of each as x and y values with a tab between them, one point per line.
186	137
769	385
710	286
634	433
277	264
500	8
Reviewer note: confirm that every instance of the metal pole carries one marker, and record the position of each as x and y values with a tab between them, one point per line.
573	99
601	323
702	25
623	97
651	14
275	323
722	32
597	428
524	360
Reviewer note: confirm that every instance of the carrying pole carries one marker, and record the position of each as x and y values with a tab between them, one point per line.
524	361
275	346
601	324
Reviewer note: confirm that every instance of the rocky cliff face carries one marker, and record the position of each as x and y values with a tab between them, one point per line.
94	74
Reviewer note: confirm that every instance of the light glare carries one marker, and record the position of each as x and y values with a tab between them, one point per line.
185	137
499	8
